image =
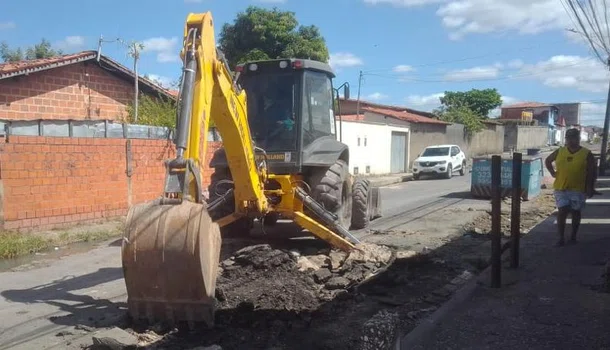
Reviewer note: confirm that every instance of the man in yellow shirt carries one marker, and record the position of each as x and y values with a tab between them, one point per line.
574	173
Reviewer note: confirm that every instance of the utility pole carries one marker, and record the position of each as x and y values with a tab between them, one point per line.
603	157
136	56
358	101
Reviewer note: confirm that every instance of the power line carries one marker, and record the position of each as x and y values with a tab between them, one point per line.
463	59
509	77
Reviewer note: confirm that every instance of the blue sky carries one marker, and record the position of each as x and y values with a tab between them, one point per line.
409	51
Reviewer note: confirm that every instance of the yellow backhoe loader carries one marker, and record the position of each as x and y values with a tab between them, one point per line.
280	158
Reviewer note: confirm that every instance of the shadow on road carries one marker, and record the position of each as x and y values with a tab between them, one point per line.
460	195
81	309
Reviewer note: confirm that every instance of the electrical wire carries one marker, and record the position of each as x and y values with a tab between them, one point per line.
512	76
463	59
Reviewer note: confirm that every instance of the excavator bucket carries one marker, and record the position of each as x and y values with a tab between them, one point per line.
170	256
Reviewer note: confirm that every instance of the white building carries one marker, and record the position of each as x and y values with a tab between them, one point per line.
380	140
375	148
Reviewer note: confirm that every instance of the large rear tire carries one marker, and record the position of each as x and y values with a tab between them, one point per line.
361	209
219	184
333	190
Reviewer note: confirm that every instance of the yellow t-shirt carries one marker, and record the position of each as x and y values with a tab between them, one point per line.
571	169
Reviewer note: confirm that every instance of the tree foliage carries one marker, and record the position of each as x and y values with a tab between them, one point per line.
480	102
153	111
260	34
461	114
41	50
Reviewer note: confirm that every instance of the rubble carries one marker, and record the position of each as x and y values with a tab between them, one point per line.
379	332
368	252
114	339
336	259
322	275
337	283
283	298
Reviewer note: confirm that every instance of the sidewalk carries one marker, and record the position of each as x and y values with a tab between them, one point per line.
389	179
553	301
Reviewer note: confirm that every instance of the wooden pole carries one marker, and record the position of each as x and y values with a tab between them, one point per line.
496	234
515	214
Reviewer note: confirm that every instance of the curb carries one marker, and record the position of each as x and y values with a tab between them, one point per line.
390	181
421	332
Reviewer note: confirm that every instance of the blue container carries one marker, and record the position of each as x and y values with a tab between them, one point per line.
531	177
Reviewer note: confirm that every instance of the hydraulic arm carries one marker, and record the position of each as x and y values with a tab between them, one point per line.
171	247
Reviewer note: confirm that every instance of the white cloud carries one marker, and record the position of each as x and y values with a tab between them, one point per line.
403	68
424	102
483	72
71	43
7	25
161	80
465	17
344	59
432	101
572	72
376	96
165	48
403	3
515	64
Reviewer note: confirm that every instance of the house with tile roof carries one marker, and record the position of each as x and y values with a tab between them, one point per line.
385	138
556	116
80	86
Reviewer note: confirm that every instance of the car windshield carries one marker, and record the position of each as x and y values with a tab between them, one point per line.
435	152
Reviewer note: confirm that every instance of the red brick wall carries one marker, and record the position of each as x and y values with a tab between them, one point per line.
54	181
79	91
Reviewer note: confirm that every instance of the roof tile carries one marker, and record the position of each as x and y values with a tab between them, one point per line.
13	67
527	105
406	116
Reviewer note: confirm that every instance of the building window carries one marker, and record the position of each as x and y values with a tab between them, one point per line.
355	170
368	169
365	141
358	141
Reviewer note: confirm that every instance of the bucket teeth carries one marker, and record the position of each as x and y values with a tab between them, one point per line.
170	258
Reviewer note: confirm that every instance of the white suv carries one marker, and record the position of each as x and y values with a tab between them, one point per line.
440	160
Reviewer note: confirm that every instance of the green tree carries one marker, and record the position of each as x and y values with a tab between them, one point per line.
461	114
41	50
480	102
259	34
10	55
153	111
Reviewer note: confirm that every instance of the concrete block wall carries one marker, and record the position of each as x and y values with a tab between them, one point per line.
48	182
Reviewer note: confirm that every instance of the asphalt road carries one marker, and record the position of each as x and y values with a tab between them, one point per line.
41	304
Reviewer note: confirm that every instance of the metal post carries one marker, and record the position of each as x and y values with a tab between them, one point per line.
603	157
515	214
496	234
358	101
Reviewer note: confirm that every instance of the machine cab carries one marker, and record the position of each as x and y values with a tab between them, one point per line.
291	112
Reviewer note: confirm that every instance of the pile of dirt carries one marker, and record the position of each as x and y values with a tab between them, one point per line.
272	298
532	213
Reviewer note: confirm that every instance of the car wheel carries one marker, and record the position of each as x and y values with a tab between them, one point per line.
449	172
415	176
463	169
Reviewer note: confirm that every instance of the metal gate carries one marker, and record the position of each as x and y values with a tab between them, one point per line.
398	152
